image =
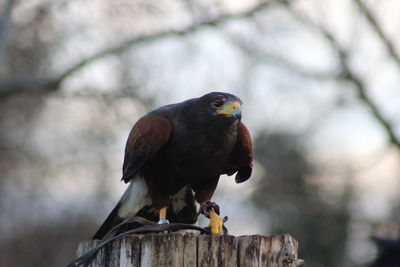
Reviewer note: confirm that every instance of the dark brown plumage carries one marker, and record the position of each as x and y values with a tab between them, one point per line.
181	149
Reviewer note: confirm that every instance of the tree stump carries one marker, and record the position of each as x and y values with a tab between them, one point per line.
188	249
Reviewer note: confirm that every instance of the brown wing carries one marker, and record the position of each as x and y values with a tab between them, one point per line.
242	156
147	137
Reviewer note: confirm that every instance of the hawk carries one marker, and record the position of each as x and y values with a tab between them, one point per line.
174	157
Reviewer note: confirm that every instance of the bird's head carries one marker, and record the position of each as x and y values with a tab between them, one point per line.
223	105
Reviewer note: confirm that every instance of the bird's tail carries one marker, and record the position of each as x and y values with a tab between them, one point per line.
112	220
134	200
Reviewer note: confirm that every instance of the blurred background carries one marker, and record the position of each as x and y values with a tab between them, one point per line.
320	86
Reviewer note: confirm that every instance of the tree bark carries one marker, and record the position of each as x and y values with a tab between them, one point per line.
187	249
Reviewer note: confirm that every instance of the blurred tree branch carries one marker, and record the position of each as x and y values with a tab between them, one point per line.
371	19
257	54
34	85
361	88
5	29
347	74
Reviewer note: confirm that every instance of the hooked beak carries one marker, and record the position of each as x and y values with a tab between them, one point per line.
231	109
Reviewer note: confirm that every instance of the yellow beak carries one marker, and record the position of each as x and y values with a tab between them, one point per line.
231	109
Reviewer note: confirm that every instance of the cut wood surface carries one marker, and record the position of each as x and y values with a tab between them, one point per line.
188	249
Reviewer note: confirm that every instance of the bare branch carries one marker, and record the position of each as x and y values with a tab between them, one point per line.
26	84
258	55
145	38
347	74
362	94
15	86
5	28
378	30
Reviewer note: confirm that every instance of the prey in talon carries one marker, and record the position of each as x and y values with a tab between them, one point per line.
174	157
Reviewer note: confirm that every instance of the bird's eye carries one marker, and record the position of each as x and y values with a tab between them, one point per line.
217	104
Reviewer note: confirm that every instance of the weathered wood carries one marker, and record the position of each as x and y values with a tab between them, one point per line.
179	249
87	245
162	250
189	243
130	251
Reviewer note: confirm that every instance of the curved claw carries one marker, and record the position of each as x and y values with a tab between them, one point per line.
207	206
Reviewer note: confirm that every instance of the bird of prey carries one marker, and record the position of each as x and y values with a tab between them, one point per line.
174	157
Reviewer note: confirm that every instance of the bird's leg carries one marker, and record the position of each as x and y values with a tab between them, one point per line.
163	216
211	211
215	223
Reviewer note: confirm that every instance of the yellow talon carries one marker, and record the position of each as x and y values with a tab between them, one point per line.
215	223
